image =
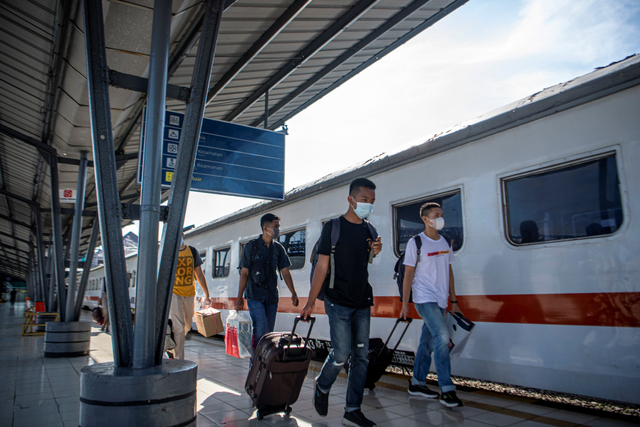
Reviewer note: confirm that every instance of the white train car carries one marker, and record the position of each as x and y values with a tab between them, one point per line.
96	283
541	201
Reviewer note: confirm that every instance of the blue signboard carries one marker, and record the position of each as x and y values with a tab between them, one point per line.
232	159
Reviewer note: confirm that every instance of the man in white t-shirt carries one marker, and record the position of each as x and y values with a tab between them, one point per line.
431	279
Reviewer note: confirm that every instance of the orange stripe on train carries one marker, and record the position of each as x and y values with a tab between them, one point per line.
621	309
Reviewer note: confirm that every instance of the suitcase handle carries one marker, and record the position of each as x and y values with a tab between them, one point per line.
295	324
408	321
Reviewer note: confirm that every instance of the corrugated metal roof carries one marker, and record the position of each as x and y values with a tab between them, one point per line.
297	50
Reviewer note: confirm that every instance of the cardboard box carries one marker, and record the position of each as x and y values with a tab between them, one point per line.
209	322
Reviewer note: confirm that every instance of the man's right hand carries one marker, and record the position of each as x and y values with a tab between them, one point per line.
239	304
404	313
307	310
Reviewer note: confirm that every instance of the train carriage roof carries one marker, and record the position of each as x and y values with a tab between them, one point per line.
602	82
297	50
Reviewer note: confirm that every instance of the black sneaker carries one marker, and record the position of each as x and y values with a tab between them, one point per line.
357	419
320	401
423	391
450	399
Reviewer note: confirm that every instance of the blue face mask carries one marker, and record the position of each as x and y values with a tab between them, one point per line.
181	241
363	210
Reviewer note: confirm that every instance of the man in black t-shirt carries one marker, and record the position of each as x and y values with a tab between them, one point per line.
260	259
348	303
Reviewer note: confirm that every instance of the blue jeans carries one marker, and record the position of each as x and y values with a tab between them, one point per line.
349	329
263	317
434	338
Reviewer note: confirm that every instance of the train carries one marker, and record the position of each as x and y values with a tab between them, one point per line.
540	200
96	284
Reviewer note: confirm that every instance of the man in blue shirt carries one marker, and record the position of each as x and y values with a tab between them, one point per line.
259	279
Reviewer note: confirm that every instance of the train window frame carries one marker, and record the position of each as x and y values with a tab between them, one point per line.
559	164
458	189
214	252
306	234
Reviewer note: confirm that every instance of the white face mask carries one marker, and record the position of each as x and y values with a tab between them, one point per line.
437	223
363	210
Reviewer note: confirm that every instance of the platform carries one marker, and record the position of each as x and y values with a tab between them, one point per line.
40	392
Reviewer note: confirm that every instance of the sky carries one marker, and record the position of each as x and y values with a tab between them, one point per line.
484	55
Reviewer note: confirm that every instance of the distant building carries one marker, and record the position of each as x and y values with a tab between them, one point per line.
130	241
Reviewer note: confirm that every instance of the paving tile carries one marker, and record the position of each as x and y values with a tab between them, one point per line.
603	422
67	393
225	417
496	419
70	415
34	411
466	423
414	407
532	409
575	417
215	406
404	422
530	423
380	415
45	420
311	415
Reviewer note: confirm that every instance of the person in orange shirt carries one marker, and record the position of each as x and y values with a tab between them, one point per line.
184	292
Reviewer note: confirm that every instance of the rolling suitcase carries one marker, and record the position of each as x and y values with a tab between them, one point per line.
380	356
278	370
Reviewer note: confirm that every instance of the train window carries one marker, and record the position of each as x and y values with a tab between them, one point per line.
294	243
569	202
222	260
408	222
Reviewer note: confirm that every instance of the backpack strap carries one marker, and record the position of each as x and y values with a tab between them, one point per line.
374	236
282	251
335	235
418	241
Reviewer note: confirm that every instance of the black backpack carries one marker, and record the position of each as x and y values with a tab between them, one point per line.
399	268
331	274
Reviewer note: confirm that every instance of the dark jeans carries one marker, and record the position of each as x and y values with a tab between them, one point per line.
349	329
263	317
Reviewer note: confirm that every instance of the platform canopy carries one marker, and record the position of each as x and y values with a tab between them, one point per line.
296	51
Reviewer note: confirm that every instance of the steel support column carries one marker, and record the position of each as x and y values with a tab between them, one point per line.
86	270
51	281
41	289
266	109
56	231
179	194
144	334
109	210
76	233
29	278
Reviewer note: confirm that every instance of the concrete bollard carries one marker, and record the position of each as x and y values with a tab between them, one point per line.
44	318
67	339
162	396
